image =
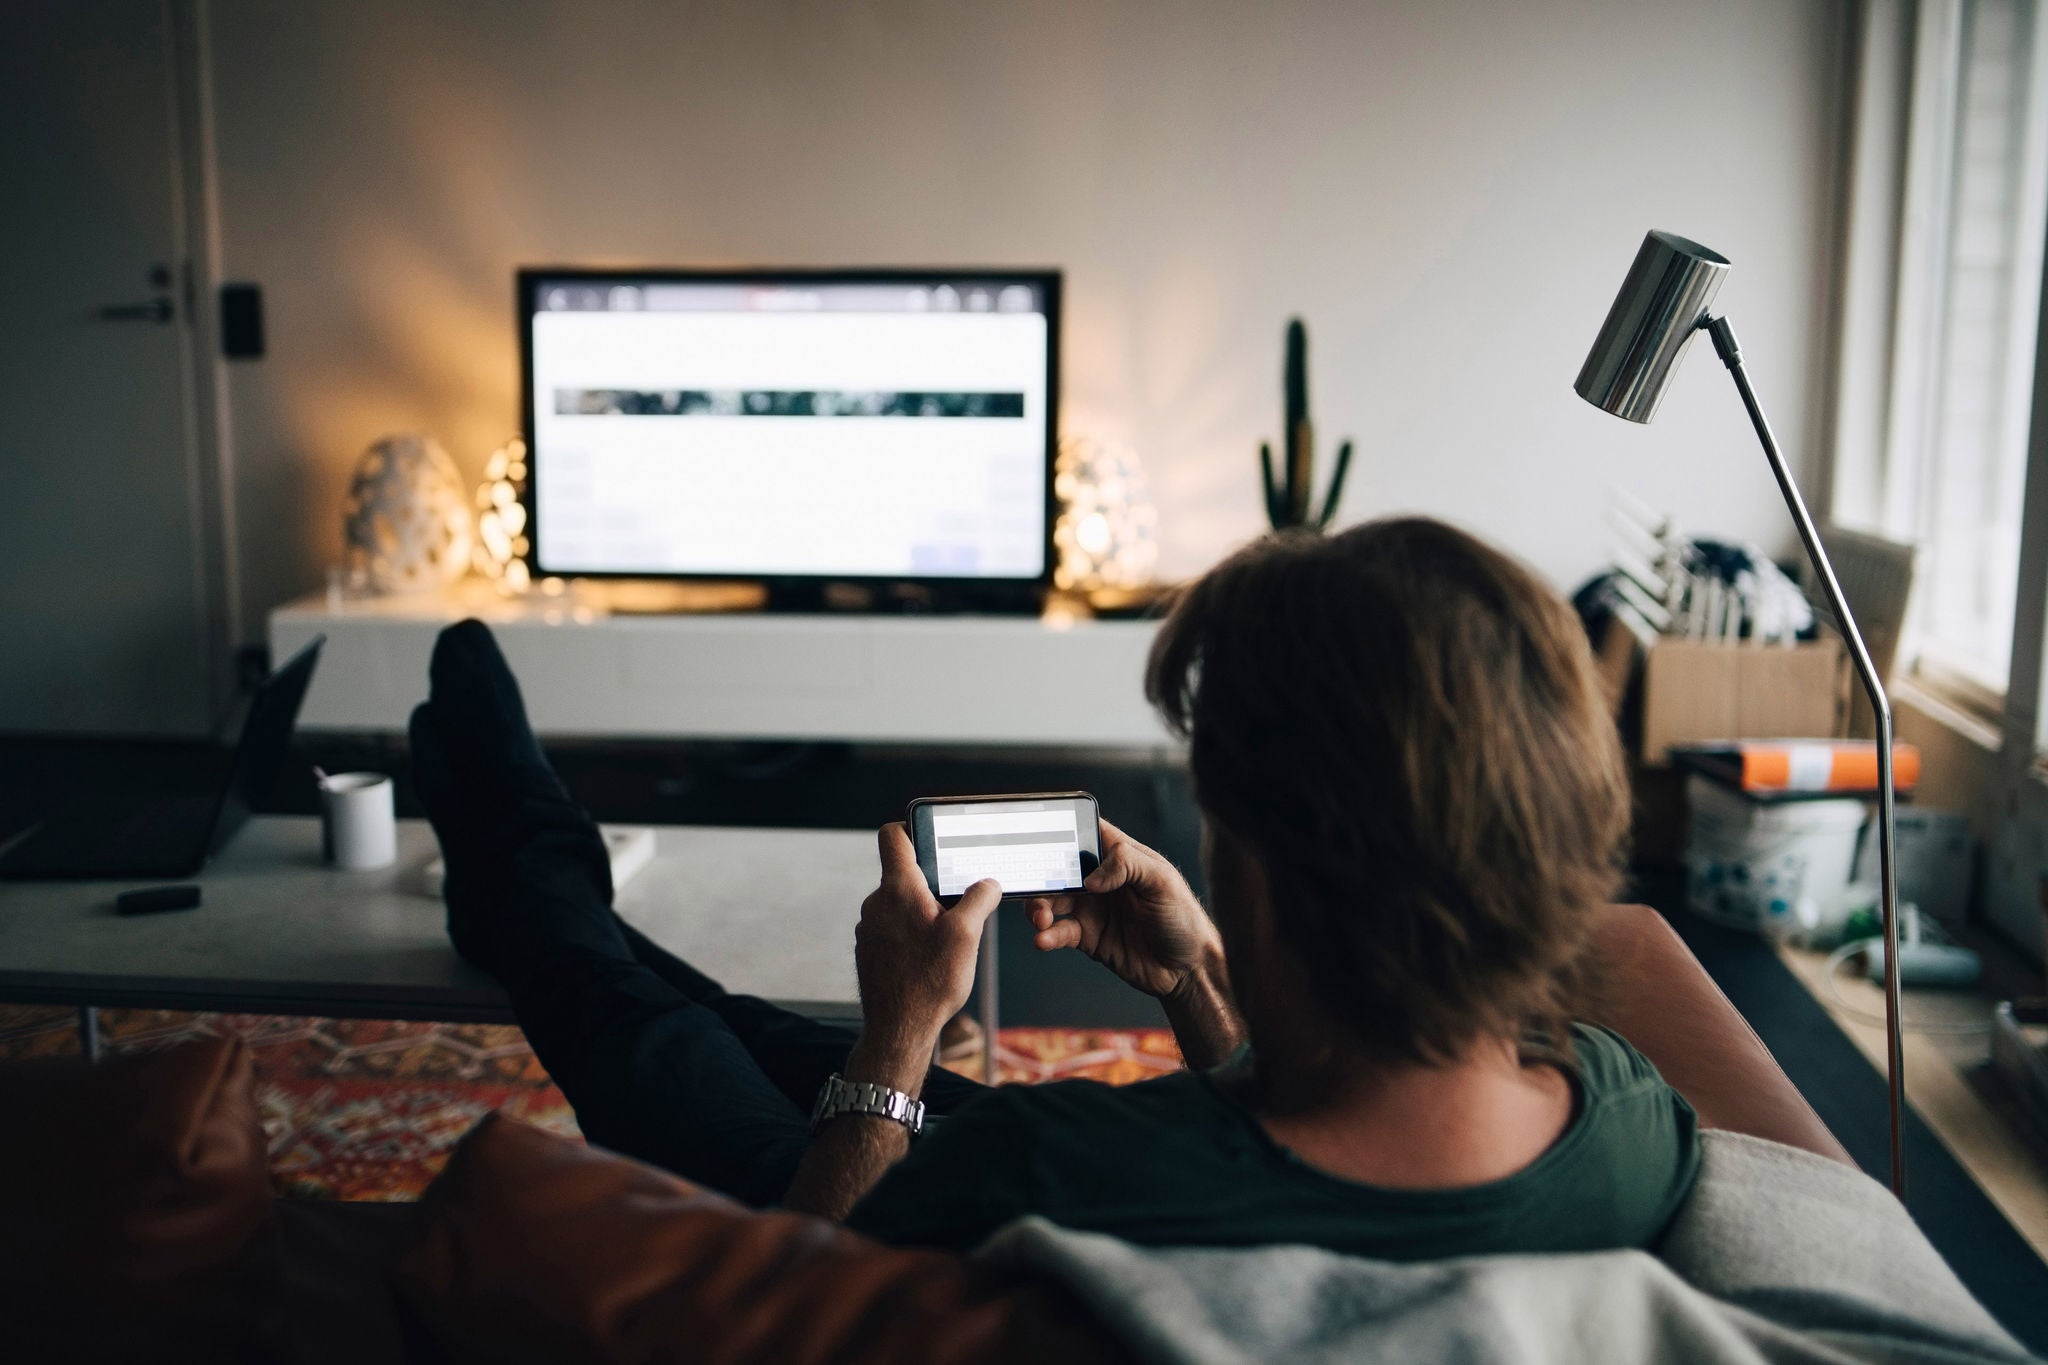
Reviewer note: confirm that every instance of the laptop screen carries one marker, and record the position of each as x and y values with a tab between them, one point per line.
266	741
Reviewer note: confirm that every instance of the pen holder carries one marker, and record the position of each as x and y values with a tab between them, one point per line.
358	826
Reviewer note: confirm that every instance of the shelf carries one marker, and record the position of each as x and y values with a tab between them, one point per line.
588	671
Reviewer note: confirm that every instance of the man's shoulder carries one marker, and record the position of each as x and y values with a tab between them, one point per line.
1641	1133
1607	1061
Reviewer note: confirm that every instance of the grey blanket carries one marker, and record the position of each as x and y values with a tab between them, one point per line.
1779	1255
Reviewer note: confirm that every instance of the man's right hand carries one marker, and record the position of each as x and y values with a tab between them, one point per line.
1136	916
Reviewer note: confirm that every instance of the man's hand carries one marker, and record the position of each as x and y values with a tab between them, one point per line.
1137	917
915	959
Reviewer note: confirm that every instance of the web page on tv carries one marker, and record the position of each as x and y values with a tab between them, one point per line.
836	429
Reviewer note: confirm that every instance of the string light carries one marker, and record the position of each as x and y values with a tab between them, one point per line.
501	540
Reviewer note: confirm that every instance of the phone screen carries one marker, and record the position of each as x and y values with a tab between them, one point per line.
1028	844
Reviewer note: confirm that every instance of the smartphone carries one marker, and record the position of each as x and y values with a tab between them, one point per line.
1032	844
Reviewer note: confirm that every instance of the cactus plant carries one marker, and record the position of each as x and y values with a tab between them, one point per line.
1288	501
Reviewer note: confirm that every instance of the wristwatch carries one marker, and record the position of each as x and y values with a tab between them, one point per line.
841	1096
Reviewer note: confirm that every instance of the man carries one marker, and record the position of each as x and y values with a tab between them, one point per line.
1413	801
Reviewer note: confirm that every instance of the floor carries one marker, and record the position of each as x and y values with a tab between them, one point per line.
351	1108
366	1109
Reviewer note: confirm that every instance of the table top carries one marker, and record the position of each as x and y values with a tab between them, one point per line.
767	911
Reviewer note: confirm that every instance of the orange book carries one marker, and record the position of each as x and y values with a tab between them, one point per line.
1766	766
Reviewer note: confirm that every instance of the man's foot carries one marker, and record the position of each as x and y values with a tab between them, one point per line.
527	870
481	716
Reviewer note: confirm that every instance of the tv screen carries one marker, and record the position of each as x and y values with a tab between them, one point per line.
780	425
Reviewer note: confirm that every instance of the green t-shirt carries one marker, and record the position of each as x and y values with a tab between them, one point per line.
1174	1162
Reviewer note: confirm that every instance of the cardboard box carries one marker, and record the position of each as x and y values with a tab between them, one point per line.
1680	691
1697	690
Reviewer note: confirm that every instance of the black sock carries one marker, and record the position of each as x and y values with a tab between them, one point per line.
481	715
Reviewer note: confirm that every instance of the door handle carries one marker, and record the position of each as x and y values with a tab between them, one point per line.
156	310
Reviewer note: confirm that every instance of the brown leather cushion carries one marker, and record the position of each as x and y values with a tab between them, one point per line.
1648	987
538	1248
135	1209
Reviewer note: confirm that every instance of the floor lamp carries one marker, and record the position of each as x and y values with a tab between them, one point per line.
1665	299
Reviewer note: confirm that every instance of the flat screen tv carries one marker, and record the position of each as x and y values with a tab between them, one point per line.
793	427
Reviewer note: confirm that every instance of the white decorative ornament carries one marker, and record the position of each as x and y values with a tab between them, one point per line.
406	521
501	540
1107	534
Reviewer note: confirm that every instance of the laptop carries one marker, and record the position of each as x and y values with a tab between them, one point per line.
172	835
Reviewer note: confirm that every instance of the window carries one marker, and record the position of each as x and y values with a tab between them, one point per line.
1970	232
1935	370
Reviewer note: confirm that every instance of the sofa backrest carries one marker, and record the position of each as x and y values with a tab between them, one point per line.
1647	986
135	1210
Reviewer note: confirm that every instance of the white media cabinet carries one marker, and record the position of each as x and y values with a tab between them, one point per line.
589	672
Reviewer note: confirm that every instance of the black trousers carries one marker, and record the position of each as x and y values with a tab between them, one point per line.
663	1064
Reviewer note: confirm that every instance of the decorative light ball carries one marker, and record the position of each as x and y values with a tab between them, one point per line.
501	540
1107	534
406	521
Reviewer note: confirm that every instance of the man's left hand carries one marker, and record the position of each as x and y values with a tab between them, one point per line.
915	959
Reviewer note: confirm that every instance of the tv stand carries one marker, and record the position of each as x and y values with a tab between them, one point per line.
818	597
918	677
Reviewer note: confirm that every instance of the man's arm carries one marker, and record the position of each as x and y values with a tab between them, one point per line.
915	960
851	1152
1203	1015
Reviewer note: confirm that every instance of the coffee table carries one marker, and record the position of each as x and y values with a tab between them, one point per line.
767	911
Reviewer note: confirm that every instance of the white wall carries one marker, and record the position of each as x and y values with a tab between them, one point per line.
1448	191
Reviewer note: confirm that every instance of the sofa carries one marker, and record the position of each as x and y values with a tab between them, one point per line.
137	1224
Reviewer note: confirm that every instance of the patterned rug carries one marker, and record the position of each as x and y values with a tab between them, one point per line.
369	1109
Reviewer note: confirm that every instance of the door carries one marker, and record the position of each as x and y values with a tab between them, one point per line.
105	617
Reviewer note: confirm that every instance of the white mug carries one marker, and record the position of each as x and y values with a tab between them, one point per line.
358	827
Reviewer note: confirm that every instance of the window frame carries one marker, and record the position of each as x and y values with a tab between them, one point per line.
1901	184
1892	100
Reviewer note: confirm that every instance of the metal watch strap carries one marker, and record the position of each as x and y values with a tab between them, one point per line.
841	1096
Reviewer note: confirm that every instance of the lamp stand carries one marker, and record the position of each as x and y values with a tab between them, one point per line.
1730	352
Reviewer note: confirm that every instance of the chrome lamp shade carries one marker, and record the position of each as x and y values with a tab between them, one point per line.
1662	303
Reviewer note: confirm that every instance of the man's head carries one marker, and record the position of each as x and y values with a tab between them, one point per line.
1414	794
